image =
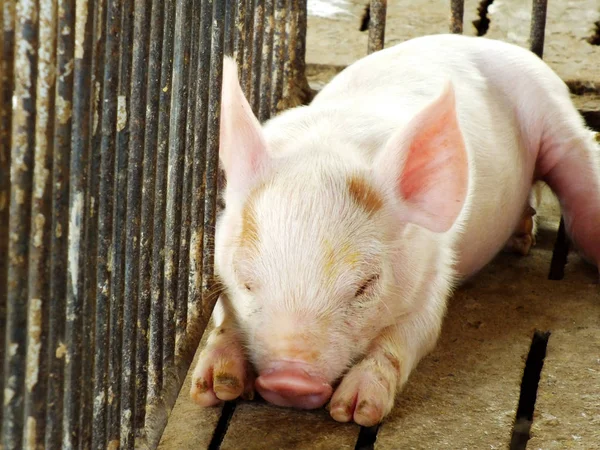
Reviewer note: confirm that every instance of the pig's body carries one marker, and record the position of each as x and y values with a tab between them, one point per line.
505	121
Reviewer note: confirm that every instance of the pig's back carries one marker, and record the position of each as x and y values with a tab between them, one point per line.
373	98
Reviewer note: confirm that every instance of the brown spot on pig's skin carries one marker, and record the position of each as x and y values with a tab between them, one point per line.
249	236
202	386
364	195
227	381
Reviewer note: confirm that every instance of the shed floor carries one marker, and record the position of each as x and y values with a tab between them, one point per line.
465	394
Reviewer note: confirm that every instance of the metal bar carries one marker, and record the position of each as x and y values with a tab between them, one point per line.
299	92
117	267
230	11
155	365
257	42
137	114
246	79
279	39
22	147
60	226
147	215
199	166
40	237
88	163
239	32
291	31
264	107
538	27
377	26
174	182
187	195
457	12
7	24
105	222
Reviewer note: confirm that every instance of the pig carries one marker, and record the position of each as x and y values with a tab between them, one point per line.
349	222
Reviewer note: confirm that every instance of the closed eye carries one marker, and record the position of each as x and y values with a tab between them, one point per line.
366	285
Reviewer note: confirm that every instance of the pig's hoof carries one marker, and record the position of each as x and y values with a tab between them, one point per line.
365	395
520	244
221	374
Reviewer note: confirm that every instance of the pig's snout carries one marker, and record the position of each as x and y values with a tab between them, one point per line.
290	384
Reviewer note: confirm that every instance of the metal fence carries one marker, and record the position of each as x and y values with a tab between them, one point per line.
109	114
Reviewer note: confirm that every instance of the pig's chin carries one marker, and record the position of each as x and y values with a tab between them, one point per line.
292	386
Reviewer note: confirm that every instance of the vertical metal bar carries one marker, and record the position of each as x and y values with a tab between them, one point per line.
7	24
117	268
141	32
147	215
246	79
88	138
298	90
291	34
257	43
279	36
377	26
538	27
457	11
60	215
155	364
230	10
264	107
239	32
199	164
23	143
39	240
105	221
187	195
174	180
212	159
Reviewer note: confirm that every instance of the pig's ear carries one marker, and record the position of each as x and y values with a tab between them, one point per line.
242	149
425	165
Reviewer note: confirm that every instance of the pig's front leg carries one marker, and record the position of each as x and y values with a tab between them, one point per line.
367	392
222	372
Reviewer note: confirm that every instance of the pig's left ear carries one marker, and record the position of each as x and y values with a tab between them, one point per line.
242	148
425	165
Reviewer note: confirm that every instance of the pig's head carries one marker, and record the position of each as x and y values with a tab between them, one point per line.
310	244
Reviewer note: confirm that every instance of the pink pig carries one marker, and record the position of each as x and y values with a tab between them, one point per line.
349	221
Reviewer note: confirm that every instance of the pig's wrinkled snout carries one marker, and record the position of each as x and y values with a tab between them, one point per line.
290	385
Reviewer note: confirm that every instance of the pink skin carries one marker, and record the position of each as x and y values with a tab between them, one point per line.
291	384
453	176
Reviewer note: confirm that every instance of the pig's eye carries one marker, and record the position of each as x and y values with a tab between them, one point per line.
248	287
366	285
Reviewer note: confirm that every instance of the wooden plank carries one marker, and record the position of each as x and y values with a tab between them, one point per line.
260	426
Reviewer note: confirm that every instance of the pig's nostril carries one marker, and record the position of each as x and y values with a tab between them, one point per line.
293	388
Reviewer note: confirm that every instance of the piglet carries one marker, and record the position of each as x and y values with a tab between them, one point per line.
349	222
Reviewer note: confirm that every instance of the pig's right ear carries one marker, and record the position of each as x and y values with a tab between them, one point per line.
242	150
425	165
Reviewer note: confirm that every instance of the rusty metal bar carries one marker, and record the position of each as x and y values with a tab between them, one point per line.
105	252
147	208
155	364
40	236
297	90
257	53
91	59
117	268
137	110
264	106
60	226
230	11
246	78
199	164
7	24
181	51
239	32
279	41
181	304
22	148
377	26
538	27
457	12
